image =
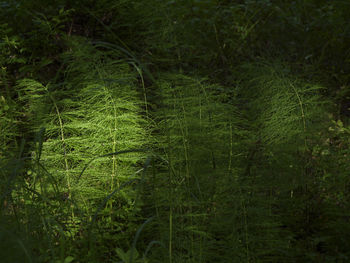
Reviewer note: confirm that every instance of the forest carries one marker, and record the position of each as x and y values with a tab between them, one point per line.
174	131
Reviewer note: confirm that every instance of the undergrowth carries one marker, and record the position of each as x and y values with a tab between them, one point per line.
177	131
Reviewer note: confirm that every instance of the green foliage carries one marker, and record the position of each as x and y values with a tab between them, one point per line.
174	131
198	139
284	109
102	115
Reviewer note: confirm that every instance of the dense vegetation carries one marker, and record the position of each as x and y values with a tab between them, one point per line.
174	131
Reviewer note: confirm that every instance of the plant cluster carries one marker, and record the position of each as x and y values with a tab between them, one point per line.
174	131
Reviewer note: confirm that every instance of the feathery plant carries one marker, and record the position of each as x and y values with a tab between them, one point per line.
285	108
102	114
286	112
106	115
197	138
